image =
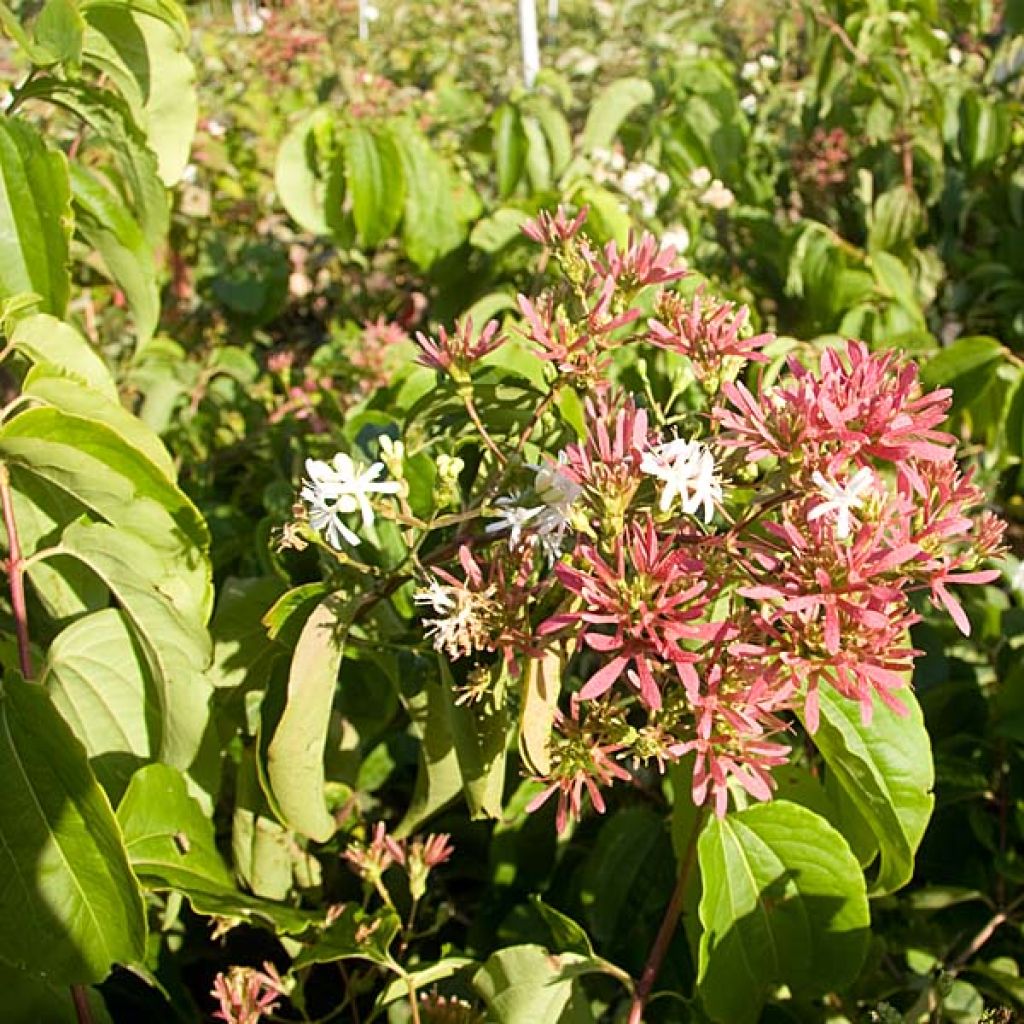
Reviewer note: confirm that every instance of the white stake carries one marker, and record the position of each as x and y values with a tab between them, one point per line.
552	11
364	21
528	35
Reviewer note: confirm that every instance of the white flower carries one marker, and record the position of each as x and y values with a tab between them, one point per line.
768	61
339	488
216	128
1017	579
956	56
718	197
512	517
371	13
687	470
678	237
700	177
749	70
841	500
749	104
547	523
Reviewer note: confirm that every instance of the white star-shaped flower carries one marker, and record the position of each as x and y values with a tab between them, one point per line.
340	487
842	499
688	472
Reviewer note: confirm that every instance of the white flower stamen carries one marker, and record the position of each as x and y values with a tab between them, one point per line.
464	617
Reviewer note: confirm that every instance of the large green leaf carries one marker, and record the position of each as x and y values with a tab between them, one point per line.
146	58
305	167
51	386
433	222
95	673
261	847
47	340
373	171
783	902
105	473
510	147
69	906
527	984
176	650
35	217
885	770
480	733
171	845
295	722
438	778
109	227
611	107
28	998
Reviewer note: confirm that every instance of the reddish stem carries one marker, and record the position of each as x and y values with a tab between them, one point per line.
669	923
16	576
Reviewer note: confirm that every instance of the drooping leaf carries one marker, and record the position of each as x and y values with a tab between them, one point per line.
783	902
59	29
885	770
295	722
610	108
373	172
145	56
35	217
260	845
303	170
70	908
109	227
438	779
510	146
541	683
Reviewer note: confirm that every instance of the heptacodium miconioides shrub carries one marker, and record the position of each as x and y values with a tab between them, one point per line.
699	566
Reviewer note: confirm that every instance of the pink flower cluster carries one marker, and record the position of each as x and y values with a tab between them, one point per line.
718	565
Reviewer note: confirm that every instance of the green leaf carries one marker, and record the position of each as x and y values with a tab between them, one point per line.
885	769
243	652
261	847
45	339
70	907
501	228
783	902
145	56
95	674
898	217
538	159
556	130
610	108
527	984
480	734
108	226
35	217
295	723
434	221
354	935
967	366
51	386
102	472
373	171
895	281
171	844
176	650
607	219
27	998
303	171
435	972
510	145
59	29
438	779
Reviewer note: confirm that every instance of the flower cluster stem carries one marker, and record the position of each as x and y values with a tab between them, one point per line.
669	923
